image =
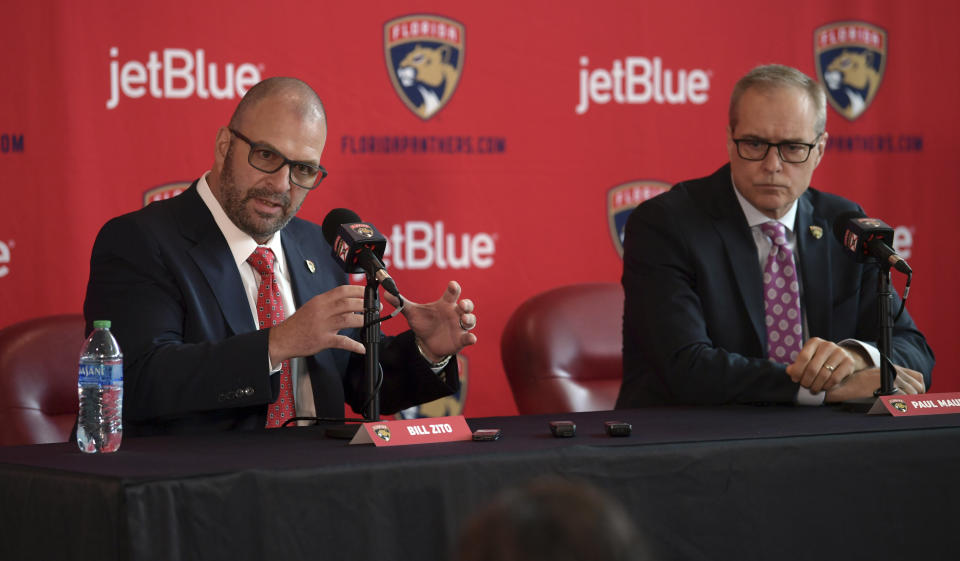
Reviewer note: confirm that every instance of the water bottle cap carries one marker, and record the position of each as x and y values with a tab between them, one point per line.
101	324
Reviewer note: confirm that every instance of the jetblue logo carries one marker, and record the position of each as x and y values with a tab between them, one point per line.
422	245
640	80
903	241
178	74
424	55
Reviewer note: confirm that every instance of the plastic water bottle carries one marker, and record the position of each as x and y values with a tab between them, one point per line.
100	386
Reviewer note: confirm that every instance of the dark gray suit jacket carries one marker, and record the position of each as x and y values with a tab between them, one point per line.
693	323
193	357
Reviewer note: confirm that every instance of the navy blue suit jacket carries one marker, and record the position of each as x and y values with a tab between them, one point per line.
693	323
193	357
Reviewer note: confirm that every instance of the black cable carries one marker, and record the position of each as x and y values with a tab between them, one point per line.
323	420
343	420
370	397
376	388
906	294
382	319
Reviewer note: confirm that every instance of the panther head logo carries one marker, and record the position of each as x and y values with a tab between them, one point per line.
430	71
850	58
362	229
424	55
382	431
855	73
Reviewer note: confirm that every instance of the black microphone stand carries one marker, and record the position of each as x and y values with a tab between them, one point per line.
371	337
884	297
884	343
371	342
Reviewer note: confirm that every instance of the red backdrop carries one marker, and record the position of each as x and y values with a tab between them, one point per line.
102	102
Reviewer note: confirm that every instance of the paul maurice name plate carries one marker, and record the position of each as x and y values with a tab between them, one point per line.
921	404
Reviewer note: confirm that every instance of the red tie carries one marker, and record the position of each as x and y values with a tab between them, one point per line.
269	314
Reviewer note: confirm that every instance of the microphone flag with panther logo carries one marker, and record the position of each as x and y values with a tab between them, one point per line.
850	57
424	56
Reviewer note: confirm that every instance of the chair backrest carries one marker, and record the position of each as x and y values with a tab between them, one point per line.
38	379
562	349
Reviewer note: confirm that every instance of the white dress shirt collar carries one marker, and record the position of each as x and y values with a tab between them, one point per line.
240	242
756	218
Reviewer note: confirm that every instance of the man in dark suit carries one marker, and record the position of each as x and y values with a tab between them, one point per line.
179	282
708	317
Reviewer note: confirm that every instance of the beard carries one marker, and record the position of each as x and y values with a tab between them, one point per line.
235	204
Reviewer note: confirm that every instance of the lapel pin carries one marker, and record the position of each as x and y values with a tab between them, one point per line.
313	268
817	232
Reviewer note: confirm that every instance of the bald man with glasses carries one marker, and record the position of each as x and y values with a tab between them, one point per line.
231	311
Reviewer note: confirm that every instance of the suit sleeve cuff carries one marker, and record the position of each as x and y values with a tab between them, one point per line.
870	350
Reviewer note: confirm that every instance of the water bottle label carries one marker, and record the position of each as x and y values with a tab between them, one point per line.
101	374
114	374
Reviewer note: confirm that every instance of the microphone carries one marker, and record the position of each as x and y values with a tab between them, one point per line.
864	238
357	246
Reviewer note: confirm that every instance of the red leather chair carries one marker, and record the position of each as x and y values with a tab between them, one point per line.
38	379
562	349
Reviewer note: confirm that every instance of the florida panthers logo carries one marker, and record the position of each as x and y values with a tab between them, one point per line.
424	55
164	192
622	199
382	431
362	228
850	59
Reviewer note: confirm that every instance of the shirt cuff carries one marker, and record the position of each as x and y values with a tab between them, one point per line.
806	397
872	352
270	365
436	367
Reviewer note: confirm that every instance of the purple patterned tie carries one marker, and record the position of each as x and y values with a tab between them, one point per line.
269	314
781	295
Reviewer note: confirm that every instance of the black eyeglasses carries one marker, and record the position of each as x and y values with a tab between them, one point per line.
268	160
756	149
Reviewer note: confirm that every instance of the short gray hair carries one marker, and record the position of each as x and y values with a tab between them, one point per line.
772	76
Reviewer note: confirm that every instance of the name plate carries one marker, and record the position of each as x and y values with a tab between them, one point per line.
921	404
413	431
